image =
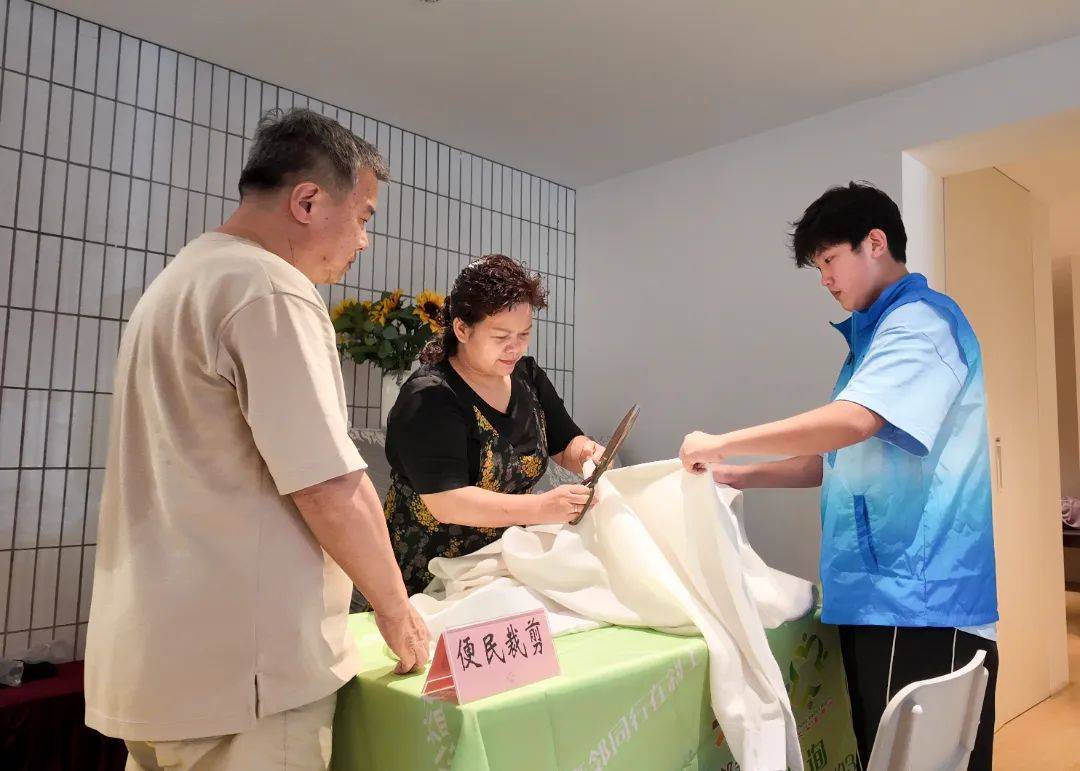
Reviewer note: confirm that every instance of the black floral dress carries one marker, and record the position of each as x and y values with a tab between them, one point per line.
441	435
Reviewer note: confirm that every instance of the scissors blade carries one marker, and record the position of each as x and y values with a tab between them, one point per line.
621	432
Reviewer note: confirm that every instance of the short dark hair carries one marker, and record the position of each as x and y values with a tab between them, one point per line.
846	215
296	143
485	287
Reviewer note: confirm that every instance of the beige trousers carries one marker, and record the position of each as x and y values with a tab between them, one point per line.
296	740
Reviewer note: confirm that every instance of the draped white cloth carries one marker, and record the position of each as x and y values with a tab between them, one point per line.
662	549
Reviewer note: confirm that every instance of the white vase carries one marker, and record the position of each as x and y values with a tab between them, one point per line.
391	387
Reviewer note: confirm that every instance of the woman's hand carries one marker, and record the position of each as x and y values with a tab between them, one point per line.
580	450
563	504
589	450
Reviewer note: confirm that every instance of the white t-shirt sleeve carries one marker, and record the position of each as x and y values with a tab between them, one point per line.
279	353
911	376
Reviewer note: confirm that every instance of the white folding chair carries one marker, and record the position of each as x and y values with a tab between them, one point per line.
931	725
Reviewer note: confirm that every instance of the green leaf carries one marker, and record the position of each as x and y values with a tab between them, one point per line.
390	332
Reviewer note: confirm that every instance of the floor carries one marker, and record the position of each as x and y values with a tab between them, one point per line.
1047	736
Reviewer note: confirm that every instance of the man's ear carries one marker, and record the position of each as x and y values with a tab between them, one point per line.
302	200
878	242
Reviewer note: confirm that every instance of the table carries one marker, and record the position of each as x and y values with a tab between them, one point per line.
626	699
42	728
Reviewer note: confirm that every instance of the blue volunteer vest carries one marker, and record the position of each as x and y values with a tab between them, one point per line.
908	540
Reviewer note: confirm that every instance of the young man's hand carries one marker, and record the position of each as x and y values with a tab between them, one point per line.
732	476
837	424
699	449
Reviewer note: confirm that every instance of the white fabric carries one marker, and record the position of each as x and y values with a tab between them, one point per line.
662	549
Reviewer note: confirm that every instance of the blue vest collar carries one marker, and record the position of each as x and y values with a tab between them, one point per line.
852	328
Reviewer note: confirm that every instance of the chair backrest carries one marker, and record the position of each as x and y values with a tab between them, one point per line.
931	725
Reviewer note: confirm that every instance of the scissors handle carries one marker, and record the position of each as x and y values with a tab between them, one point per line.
588	502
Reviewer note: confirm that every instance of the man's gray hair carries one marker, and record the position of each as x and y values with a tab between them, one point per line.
291	145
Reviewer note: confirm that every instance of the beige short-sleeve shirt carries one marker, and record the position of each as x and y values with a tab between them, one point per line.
213	603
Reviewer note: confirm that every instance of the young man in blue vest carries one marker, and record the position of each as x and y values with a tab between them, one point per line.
901	454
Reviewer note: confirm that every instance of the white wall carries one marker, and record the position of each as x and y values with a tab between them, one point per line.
688	302
922	202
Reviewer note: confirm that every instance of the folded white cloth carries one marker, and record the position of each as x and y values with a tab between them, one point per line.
662	549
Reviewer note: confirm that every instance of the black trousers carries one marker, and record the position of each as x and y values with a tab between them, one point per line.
880	660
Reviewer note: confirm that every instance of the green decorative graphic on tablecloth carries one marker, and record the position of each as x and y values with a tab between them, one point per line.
802	684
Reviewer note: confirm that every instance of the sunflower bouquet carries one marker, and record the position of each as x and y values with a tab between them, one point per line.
388	332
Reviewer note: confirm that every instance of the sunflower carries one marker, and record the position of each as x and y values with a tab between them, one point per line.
384	307
379	312
427	308
341	307
388	305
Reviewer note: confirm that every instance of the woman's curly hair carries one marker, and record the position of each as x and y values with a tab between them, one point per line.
485	287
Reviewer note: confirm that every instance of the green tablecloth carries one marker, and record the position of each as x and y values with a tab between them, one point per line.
626	699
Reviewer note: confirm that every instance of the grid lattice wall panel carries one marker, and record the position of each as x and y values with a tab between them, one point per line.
114	152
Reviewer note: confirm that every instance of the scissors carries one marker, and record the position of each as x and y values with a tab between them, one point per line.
621	432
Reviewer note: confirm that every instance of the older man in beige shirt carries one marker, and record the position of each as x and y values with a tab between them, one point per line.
236	514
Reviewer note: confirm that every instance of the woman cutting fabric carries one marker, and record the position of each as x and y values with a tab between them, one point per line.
475	426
